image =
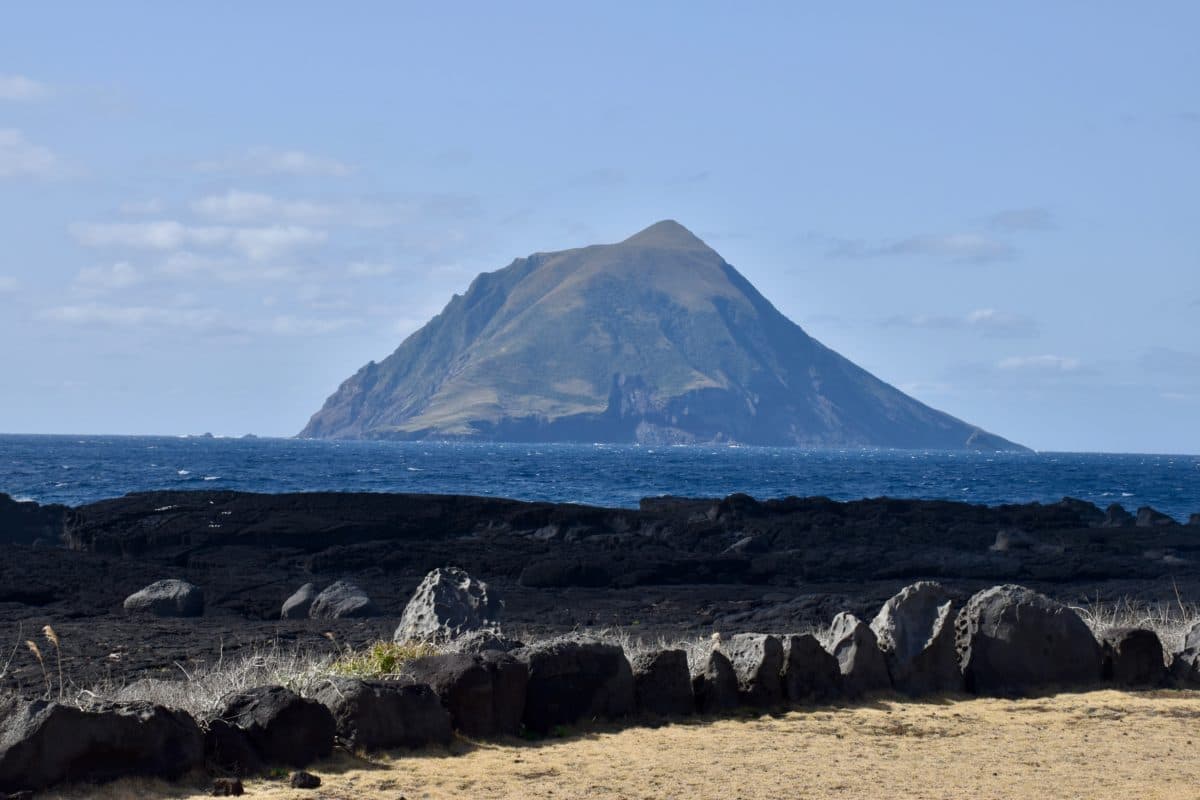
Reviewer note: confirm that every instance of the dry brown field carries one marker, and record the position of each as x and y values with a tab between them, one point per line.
1095	745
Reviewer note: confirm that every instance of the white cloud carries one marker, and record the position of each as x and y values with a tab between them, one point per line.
141	316
20	157
143	207
1044	363
156	235
8	284
960	247
208	321
369	269
1001	323
225	268
287	325
120	275
255	243
270	161
239	206
261	244
989	321
18	87
183	263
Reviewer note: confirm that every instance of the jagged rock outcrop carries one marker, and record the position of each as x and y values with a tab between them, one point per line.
654	339
1115	516
915	630
448	604
758	662
379	715
810	672
1191	639
44	743
1013	639
662	683
714	684
1133	657
861	662
281	726
30	523
484	693
227	748
1148	517
572	679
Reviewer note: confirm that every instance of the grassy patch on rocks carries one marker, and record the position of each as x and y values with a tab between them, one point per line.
380	660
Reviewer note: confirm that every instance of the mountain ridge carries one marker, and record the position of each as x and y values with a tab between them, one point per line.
652	339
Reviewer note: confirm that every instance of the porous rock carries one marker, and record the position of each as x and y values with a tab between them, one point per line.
714	684
298	605
915	630
861	662
377	715
1133	657
810	672
167	598
662	683
447	604
757	661
305	780
282	726
484	693
572	679
1012	639
1184	672
227	747
1191	639
342	600
44	743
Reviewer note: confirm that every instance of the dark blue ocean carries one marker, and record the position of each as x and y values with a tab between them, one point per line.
80	469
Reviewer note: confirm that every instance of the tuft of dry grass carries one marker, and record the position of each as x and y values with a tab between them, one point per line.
1102	745
201	689
1169	621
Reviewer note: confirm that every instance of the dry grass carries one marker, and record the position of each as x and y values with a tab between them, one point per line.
1170	621
200	689
1097	745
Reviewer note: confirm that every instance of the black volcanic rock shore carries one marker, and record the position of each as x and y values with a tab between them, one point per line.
678	565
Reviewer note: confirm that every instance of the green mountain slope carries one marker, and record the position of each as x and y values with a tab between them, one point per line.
653	339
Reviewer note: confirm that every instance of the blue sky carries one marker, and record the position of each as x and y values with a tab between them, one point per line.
213	213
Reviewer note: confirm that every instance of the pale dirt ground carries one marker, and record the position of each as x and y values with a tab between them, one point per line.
1096	745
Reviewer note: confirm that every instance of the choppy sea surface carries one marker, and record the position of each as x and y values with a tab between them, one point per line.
80	469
